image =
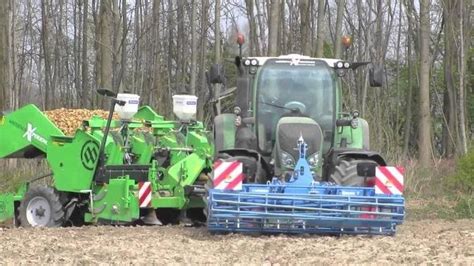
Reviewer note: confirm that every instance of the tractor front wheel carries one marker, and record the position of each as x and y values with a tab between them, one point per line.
41	207
345	173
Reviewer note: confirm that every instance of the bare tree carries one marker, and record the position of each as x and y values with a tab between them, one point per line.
320	31
85	101
338	33
273	27
217	48
194	52
45	49
253	38
305	12
105	45
462	63
5	64
424	135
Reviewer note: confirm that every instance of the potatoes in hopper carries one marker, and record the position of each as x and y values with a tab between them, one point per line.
69	120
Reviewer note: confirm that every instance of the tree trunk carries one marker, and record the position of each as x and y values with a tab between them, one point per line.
461	109
253	38
5	64
180	63
46	53
261	25
123	60
305	27
320	29
338	33
105	45
424	138
192	83
202	93
162	97
85	101
217	51
273	28
409	98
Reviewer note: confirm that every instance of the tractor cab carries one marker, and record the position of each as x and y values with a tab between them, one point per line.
303	91
277	101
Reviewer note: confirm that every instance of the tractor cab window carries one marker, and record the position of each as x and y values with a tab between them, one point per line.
285	89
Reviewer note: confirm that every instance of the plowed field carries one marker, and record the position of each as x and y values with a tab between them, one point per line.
428	241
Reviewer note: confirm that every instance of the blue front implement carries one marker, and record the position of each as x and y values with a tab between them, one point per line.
323	209
304	206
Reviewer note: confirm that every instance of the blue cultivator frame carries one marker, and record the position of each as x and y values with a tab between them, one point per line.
292	207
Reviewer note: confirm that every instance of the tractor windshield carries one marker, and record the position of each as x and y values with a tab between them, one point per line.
283	88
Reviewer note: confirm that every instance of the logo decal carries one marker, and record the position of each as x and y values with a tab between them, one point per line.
89	154
30	134
295	61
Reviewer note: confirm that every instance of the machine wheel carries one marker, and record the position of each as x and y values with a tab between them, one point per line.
345	173
41	208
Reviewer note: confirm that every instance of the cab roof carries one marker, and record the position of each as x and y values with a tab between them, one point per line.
293	59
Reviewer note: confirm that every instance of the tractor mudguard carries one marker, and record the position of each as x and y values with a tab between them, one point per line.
353	138
224	131
358	154
225	154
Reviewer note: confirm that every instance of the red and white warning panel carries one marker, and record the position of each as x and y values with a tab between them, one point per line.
144	194
389	180
228	175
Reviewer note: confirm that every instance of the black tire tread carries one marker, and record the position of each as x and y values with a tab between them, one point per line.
345	173
57	211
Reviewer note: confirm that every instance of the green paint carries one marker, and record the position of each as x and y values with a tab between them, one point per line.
6	207
73	160
25	129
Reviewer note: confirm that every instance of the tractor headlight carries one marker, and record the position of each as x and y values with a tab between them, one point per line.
287	160
254	62
313	159
247	62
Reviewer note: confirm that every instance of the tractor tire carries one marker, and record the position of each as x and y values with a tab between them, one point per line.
345	173
41	207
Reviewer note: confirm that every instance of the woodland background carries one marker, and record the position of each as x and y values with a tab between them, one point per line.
56	53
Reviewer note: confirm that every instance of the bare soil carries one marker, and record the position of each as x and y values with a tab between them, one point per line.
425	241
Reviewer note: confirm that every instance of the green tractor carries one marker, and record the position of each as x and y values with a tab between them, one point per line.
280	99
139	168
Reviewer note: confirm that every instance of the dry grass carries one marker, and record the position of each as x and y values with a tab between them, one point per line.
17	171
433	192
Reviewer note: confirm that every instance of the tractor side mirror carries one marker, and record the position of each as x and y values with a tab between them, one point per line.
217	74
106	92
366	169
376	74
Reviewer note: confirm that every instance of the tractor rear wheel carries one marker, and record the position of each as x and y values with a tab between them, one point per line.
41	207
345	173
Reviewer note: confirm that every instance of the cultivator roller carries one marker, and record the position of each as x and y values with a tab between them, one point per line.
304	206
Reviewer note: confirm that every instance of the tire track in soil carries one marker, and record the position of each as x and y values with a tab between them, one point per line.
426	241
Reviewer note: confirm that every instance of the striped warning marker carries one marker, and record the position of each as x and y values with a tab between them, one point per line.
389	180
144	194
227	175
